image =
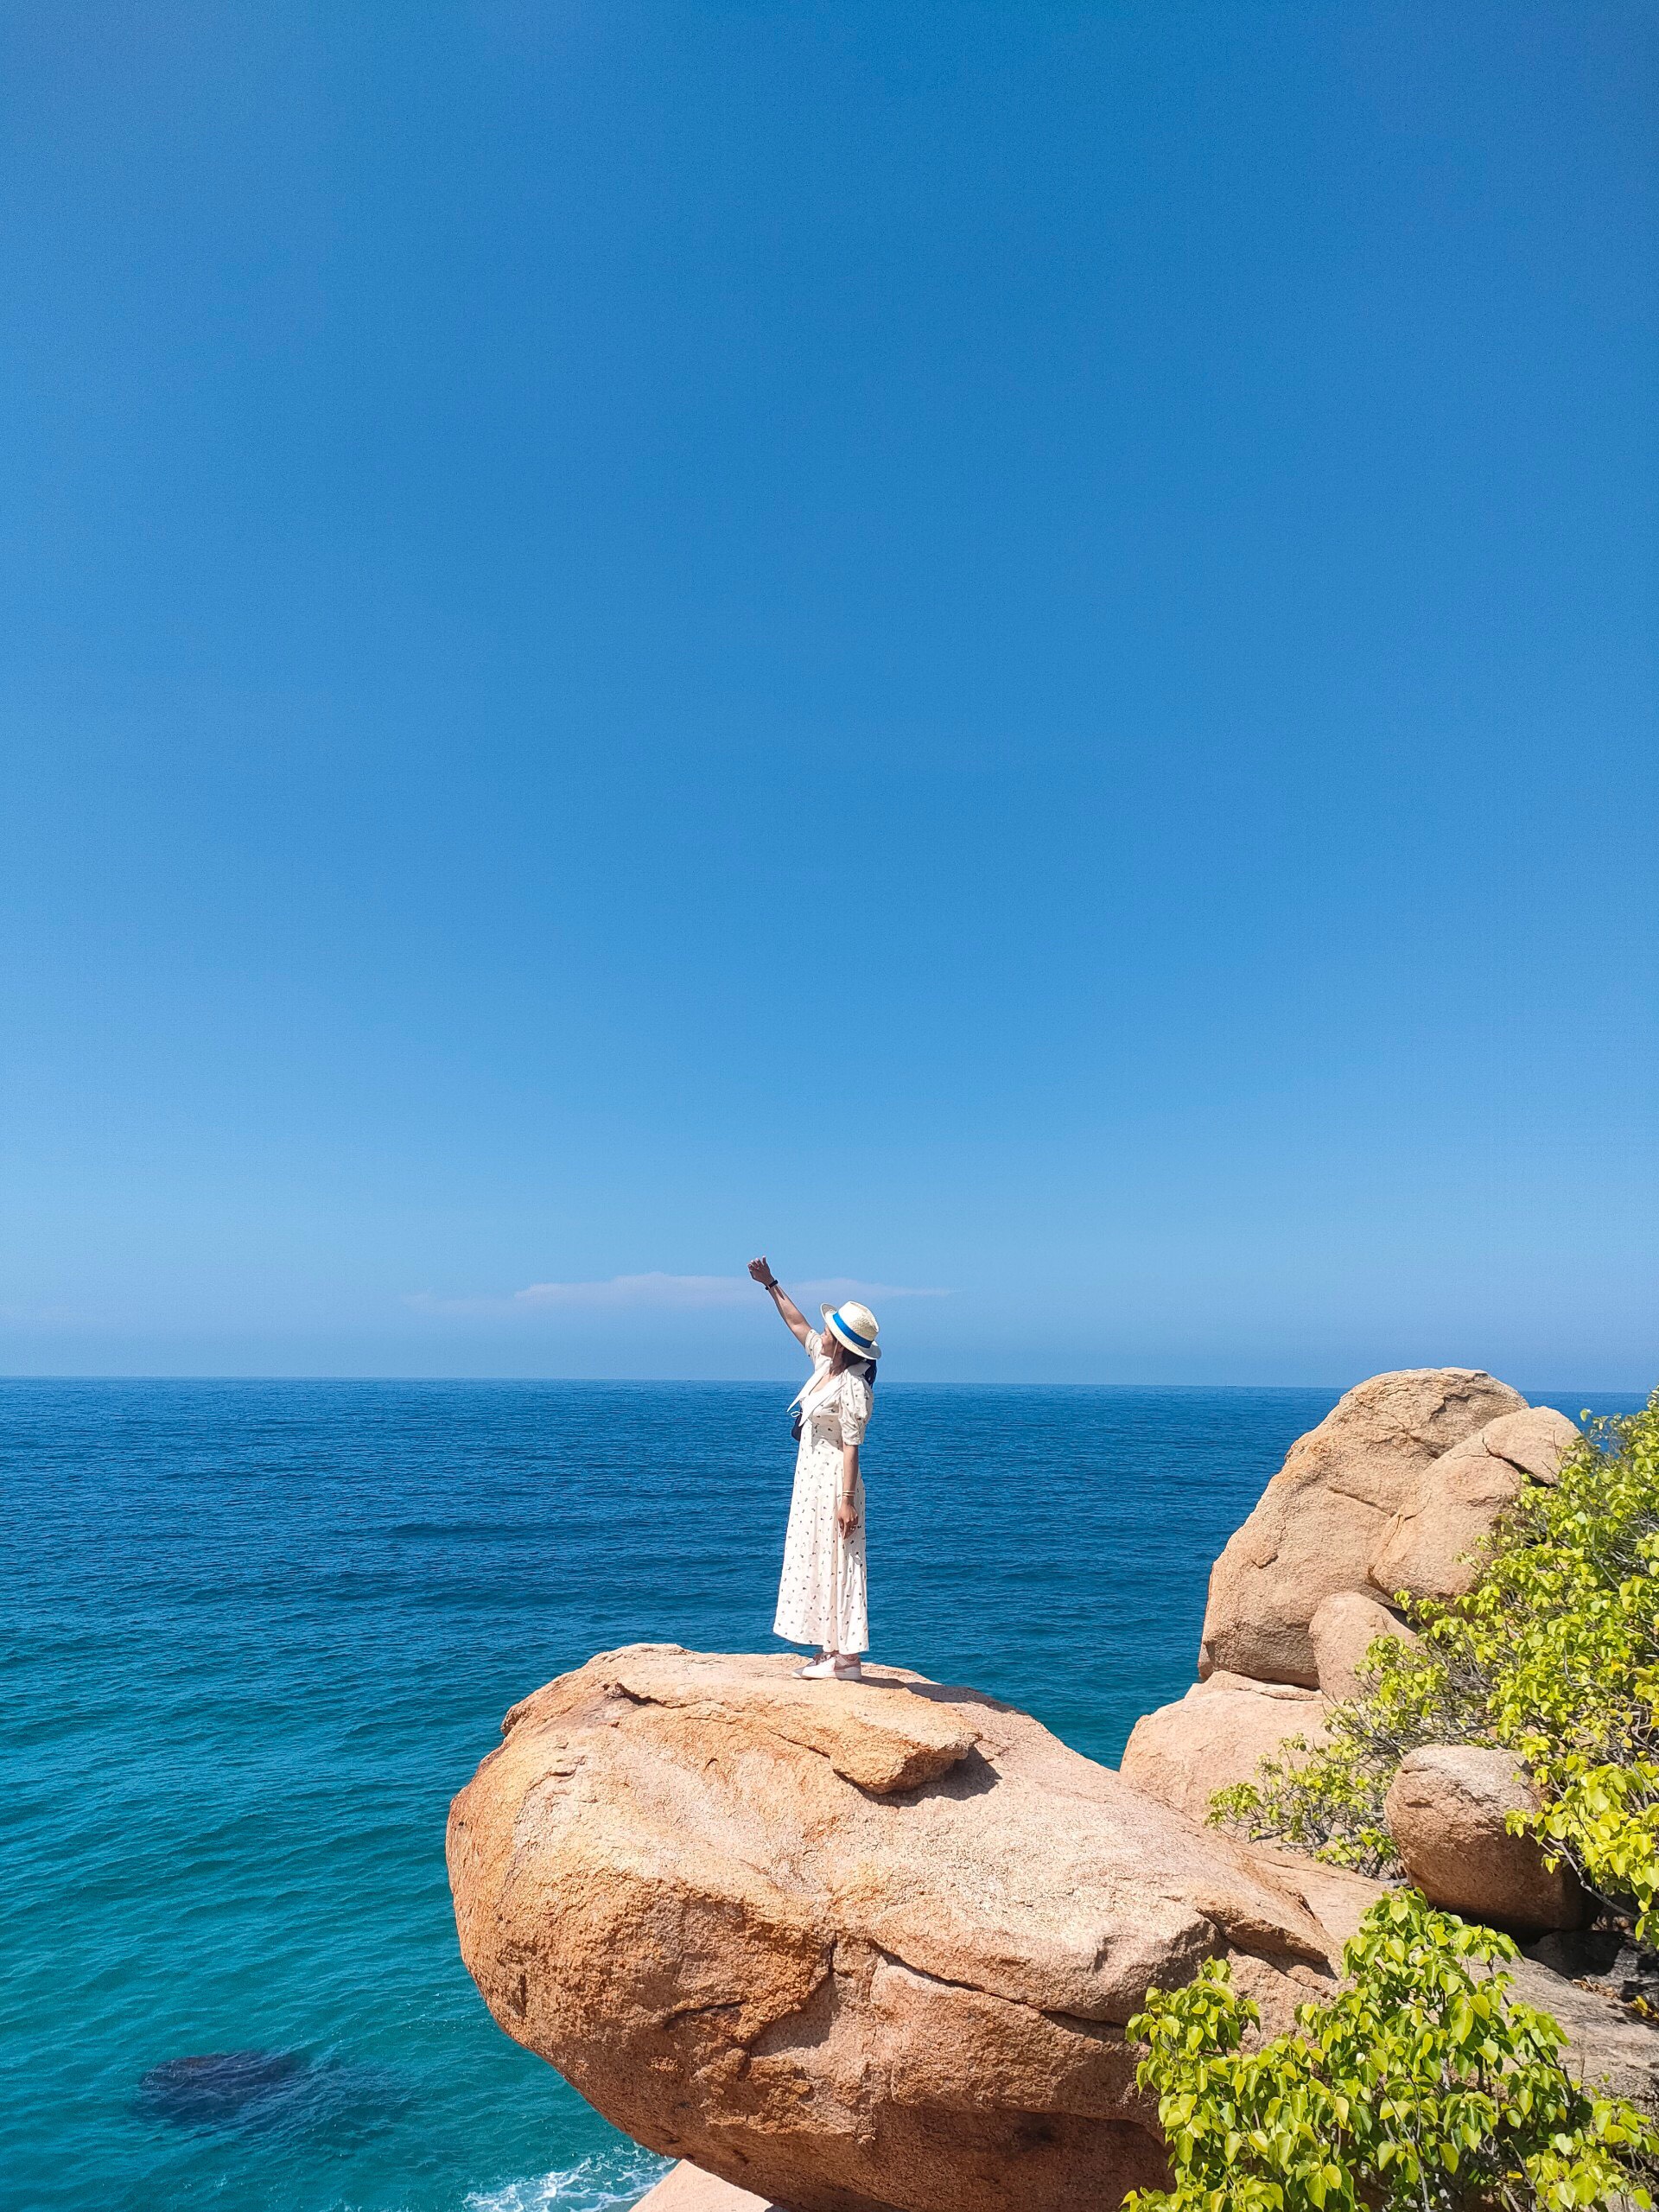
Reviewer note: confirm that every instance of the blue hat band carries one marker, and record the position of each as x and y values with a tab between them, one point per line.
864	1344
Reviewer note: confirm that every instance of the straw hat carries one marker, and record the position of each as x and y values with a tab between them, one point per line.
854	1326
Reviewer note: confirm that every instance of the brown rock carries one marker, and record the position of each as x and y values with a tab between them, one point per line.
1537	1441
868	1737
1446	1811
1316	1527
1337	1897
1216	1735
875	1995
1606	2045
1343	1631
1433	1547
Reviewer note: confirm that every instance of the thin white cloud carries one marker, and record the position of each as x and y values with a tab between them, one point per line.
659	1292
683	1293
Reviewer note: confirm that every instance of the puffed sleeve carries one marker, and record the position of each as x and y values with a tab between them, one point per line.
854	1409
815	1345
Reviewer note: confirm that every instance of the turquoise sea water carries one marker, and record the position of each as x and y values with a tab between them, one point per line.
257	1634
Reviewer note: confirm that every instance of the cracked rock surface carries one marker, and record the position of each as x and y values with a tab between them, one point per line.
857	1947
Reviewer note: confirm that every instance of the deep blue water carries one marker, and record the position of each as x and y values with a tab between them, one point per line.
257	1634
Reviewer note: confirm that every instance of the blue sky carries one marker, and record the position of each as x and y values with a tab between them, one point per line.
1006	651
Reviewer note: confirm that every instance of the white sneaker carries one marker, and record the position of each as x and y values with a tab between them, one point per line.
831	1670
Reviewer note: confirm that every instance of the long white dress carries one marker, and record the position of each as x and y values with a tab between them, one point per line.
821	1592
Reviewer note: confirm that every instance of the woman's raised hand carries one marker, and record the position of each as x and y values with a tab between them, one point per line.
794	1320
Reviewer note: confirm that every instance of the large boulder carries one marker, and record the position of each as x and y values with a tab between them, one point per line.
1432	1547
1217	1734
1343	1631
1316	1527
855	1947
1447	1810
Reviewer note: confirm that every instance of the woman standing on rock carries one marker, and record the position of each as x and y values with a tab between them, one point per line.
821	1597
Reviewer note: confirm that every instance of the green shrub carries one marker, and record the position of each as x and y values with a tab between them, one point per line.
1421	2087
1555	1654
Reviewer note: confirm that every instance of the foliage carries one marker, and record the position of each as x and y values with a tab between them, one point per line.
1554	1654
1421	2087
1332	1802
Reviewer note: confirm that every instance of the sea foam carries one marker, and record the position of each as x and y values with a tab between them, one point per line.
605	2182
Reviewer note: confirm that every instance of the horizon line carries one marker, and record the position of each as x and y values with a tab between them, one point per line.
765	1382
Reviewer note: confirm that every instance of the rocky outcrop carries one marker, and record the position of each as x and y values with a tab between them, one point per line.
1446	1812
1217	1734
1343	1631
1317	1525
1396	1490
856	1948
873	1947
1432	1547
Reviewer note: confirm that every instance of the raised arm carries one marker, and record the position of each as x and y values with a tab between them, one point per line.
794	1320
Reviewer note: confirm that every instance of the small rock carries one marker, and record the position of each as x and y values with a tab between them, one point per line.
1343	1631
1337	1897
1579	1953
1446	1810
1216	1735
1537	1441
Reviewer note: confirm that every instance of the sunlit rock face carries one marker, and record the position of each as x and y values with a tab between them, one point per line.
1448	1811
1219	1734
1320	1523
856	1948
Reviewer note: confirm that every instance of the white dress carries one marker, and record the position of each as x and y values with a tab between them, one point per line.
821	1595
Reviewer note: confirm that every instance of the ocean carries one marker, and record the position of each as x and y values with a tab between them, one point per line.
257	1634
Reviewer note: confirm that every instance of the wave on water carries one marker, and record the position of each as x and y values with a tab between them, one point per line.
605	2182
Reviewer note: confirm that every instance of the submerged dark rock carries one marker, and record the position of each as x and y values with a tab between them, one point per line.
280	2092
219	2088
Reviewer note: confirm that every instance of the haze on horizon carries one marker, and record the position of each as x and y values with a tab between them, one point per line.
1005	653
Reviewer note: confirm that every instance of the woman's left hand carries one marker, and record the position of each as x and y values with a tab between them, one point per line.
846	1514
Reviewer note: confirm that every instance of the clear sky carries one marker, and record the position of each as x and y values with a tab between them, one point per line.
1006	651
